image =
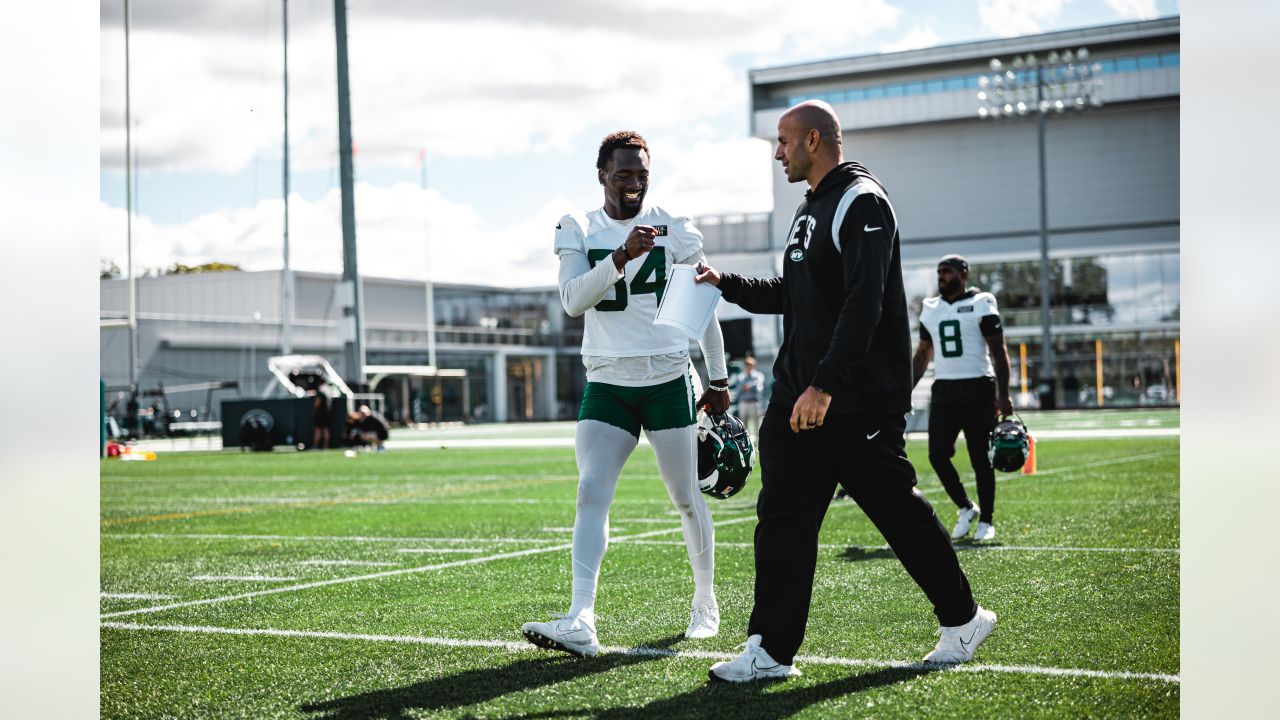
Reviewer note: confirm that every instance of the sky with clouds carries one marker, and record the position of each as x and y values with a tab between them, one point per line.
508	99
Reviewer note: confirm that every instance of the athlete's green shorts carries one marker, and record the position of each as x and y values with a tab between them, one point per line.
653	407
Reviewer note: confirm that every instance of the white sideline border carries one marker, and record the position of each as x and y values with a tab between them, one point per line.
673	543
326	538
653	652
958	548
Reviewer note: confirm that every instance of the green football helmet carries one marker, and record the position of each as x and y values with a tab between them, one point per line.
725	455
1010	442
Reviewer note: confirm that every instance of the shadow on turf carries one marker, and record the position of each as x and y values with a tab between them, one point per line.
855	553
750	700
474	686
971	544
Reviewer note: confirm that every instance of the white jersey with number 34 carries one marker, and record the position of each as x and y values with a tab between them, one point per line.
621	324
955	328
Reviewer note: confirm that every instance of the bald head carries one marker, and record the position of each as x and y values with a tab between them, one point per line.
817	115
809	142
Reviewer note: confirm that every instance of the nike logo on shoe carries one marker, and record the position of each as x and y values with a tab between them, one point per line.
965	643
868	228
755	667
872	435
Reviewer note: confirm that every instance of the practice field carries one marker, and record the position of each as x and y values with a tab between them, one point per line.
311	585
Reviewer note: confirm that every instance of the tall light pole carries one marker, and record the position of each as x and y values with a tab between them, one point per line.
353	348
1062	81
286	278
128	212
431	291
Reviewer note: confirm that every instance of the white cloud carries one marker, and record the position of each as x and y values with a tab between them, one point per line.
713	178
1007	18
920	36
477	79
393	231
1134	9
392	234
488	78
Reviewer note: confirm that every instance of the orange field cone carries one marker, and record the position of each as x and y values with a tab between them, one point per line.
1029	467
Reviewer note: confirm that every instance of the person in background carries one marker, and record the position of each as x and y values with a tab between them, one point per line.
749	391
970	387
322	418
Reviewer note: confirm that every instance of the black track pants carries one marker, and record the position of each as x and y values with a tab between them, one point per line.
799	471
947	419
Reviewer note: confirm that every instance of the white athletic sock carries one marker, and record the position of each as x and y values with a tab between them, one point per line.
601	450
677	451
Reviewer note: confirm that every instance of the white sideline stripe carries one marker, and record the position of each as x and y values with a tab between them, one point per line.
135	596
321	538
348	562
650	652
1006	477
959	548
240	577
443	444
152	501
439	550
401	571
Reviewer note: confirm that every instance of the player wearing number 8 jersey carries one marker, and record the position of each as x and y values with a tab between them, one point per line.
970	388
614	264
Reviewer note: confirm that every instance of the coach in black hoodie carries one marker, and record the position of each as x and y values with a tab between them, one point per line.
842	385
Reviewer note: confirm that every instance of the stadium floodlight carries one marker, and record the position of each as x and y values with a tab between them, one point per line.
1064	80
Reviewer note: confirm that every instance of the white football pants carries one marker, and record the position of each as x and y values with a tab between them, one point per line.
601	450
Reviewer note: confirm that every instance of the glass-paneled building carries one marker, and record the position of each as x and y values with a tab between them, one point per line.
967	185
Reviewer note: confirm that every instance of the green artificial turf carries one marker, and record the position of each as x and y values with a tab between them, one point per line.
1083	574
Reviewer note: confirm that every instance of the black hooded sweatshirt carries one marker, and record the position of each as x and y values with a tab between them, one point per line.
845	328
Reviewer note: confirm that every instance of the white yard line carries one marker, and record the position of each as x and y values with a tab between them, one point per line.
959	548
321	538
135	596
438	550
652	652
401	571
374	563
219	578
445	441
1007	477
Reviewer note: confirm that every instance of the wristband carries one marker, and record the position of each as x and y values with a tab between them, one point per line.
718	388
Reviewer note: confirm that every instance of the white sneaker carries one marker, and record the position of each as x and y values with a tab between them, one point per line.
964	517
986	531
574	635
958	644
704	622
753	664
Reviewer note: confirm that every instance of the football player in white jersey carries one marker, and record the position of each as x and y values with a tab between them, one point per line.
970	388
614	263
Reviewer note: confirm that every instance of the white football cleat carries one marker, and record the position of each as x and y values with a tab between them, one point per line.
964	517
986	531
958	643
574	635
704	622
753	664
